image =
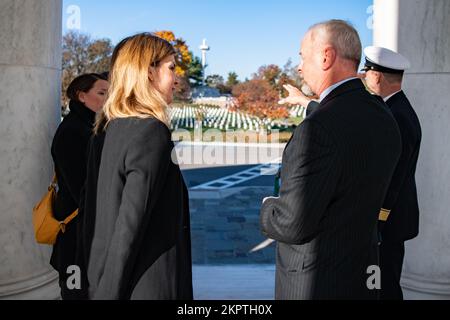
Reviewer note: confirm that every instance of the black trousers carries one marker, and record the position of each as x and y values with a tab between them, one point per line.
63	256
391	264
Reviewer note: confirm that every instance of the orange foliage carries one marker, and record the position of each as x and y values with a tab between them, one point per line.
184	58
259	98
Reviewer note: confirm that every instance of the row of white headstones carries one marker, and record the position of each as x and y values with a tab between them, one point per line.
298	111
191	117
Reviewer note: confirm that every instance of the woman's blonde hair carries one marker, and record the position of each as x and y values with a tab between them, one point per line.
131	93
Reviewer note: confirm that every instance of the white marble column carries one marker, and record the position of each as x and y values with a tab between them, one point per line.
420	30
30	73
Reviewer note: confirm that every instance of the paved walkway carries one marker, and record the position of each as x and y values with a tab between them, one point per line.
237	282
225	226
196	177
241	177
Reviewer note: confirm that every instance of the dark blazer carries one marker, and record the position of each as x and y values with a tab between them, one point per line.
314	105
69	155
141	247
401	198
311	107
335	173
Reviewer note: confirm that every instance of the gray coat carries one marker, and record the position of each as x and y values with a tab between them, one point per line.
141	247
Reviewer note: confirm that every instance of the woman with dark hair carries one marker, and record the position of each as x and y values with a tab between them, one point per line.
87	94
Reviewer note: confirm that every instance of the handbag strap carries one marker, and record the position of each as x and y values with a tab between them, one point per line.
63	224
71	217
66	221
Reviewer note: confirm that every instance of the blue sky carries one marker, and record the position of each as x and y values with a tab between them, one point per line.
243	34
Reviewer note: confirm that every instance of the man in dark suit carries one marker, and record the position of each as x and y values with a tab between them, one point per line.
399	218
335	174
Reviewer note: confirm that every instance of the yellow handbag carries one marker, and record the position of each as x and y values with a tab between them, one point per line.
46	227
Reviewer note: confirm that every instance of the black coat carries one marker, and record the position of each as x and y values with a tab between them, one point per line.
335	174
401	199
69	155
141	247
88	203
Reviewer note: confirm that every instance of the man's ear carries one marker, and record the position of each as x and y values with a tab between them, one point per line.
378	77
329	57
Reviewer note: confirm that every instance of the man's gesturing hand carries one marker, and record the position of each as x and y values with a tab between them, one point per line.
296	97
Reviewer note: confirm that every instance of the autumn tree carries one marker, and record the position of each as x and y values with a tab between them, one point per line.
295	78
270	73
258	97
278	77
82	54
290	70
184	59
183	56
261	94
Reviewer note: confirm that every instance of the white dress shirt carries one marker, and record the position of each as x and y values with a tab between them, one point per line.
334	86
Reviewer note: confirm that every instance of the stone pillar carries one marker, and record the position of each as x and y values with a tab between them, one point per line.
30	77
420	31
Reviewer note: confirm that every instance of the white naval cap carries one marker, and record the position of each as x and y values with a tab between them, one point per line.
385	60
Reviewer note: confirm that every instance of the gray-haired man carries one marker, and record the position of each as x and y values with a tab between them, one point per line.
336	170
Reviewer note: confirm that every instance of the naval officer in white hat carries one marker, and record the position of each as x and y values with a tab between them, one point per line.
399	217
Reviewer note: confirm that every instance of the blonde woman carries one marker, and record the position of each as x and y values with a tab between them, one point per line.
141	244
